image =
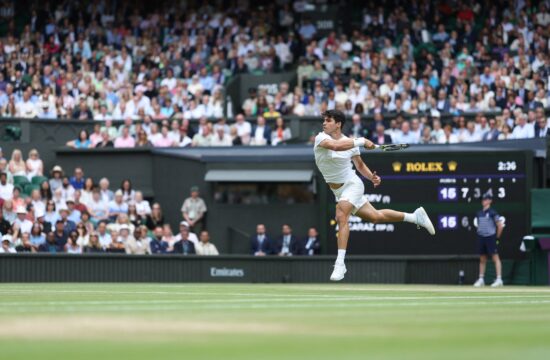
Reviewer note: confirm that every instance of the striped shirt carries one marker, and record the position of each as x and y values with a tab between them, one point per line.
487	222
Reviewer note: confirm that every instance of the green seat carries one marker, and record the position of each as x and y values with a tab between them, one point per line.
38	180
20	180
30	187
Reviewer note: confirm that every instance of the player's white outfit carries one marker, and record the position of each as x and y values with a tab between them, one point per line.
336	168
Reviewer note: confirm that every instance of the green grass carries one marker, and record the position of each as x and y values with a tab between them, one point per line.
214	321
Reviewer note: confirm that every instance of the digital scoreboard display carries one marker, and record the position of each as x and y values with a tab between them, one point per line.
449	185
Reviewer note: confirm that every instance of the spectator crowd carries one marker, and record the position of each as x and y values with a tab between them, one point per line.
57	213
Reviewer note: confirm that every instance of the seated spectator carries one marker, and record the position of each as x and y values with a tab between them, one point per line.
56	180
244	129
311	244
523	130
8	211
23	225
142	140
164	139
83	238
281	133
134	217
95	136
157	245
35	166
105	141
379	136
24	244
205	247
103	235
261	133
155	218
142	206
76	181
5	225
72	246
116	245
117	206
6	189
184	246
220	137
7	245
51	215
287	244
51	245
260	243
125	140
203	138
82	142
184	227
17	166
93	246
137	245
448	136
74	214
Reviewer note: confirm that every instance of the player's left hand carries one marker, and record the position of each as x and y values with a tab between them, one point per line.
376	180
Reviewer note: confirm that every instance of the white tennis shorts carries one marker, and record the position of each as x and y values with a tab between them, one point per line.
353	191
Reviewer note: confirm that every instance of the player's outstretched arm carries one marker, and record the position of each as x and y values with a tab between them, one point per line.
365	171
344	144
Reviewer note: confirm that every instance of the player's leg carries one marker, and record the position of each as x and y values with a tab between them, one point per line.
343	211
482	265
498	267
419	217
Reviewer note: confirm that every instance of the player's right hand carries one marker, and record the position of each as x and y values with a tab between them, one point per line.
369	144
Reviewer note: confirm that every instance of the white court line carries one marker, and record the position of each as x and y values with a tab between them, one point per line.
495	299
147	308
495	292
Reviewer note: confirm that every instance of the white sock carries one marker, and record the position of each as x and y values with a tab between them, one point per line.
481	277
499	278
410	218
341	256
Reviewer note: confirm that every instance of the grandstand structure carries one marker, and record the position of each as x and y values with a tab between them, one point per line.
172	95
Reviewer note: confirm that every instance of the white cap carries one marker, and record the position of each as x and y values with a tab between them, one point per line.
184	223
69	199
62	208
39	213
124	227
21	210
7	237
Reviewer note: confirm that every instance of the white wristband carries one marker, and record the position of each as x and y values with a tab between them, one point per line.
359	142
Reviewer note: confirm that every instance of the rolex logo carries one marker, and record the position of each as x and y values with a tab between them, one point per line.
452	165
396	166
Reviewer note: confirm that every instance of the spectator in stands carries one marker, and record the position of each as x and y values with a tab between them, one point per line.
311	244
205	247
106	194
51	216
142	140
261	133
142	206
117	206
281	133
156	245
7	245
184	246
542	128
23	225
203	138
125	140
98	208
83	238
137	245
16	165
61	234
45	190
37	236
35	166
379	137
287	244
6	189
76	181
74	214
523	130
193	210
56	181
8	211
94	246
82	142
357	129
155	218
220	137
128	194
104	237
5	225
244	129
184	226
24	244
260	243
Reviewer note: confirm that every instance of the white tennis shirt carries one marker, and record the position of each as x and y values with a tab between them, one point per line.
336	166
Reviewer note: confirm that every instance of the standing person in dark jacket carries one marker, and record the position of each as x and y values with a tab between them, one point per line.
489	231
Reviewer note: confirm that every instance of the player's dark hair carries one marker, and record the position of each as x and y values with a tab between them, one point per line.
337	115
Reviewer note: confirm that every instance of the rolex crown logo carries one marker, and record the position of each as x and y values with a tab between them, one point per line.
452	165
396	166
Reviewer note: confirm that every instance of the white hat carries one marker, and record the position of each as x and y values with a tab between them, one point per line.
62	208
124	227
69	199
57	168
118	193
184	223
7	237
21	210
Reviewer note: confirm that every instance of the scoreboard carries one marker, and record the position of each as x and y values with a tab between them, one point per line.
449	185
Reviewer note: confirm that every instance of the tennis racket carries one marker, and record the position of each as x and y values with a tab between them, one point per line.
392	147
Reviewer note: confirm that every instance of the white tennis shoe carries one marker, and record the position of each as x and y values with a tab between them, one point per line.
338	273
423	220
497	283
479	283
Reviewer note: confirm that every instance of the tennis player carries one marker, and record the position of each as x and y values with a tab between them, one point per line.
333	152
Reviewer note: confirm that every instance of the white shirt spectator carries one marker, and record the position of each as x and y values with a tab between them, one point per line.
6	191
526	131
143	207
468	136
